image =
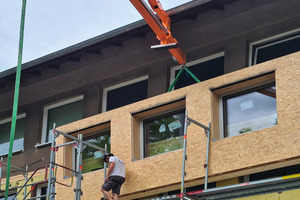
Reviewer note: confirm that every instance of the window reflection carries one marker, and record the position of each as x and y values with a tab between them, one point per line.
164	133
5	136
250	111
91	160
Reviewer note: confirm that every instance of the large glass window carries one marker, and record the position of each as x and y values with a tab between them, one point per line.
5	129
203	69
61	113
163	133
91	159
275	47
250	110
125	93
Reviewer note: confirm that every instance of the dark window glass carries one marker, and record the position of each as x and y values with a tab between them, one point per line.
276	48
63	115
290	170
250	110
43	192
203	71
126	95
91	159
164	133
5	130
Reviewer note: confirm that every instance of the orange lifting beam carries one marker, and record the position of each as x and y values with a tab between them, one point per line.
160	25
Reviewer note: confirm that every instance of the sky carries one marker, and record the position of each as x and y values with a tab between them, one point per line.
52	25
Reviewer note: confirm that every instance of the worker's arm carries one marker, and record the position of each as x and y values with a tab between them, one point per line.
110	170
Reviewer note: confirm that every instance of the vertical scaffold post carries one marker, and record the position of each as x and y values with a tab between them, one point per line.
104	167
51	167
1	164
207	155
77	190
184	155
26	178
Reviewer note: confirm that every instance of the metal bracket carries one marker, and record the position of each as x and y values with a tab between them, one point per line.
78	190
188	122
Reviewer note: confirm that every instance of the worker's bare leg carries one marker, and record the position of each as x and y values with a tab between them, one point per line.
115	196
106	194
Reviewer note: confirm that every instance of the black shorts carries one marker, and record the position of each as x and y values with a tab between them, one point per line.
114	183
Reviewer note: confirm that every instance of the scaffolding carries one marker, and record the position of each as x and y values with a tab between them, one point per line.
79	145
51	169
187	122
278	184
24	172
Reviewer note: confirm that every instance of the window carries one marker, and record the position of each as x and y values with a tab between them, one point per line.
41	190
163	133
285	171
61	113
244	106
5	129
98	135
274	47
90	160
125	93
204	69
158	130
250	110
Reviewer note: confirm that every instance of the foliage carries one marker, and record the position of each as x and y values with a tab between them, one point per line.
245	130
159	137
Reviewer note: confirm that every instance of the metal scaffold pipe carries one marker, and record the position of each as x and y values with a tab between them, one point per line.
78	140
16	98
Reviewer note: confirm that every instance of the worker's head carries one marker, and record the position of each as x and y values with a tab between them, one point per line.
106	157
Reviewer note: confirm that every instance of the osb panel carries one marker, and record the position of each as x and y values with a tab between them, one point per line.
278	144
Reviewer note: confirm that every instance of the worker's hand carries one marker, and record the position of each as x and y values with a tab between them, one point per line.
106	179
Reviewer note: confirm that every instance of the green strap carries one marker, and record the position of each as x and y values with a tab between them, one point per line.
16	98
176	79
192	75
180	72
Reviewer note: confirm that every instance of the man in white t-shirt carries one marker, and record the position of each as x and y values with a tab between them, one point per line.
115	176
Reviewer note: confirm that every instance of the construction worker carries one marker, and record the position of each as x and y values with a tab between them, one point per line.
115	176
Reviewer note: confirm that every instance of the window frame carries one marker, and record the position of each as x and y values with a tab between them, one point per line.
52	106
9	120
275	39
192	63
120	85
